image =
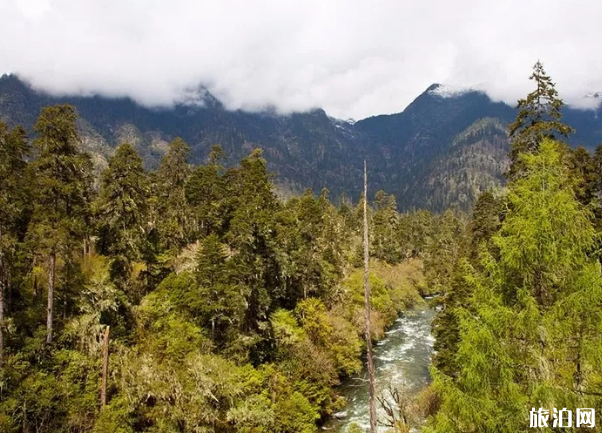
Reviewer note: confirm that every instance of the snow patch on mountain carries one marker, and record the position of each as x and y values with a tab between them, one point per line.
450	90
589	101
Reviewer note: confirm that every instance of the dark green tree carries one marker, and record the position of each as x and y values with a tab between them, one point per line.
220	301
444	249
415	229
539	117
583	175
122	210
385	221
205	193
14	207
173	216
486	220
63	182
252	235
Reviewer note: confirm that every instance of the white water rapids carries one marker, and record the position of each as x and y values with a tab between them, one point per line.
401	360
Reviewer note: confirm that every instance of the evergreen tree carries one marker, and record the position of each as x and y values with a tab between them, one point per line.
583	175
251	234
596	186
539	117
172	211
443	250
63	176
205	193
415	229
531	332
14	207
486	220
123	210
220	301
384	221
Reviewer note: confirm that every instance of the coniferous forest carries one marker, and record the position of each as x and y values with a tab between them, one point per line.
191	298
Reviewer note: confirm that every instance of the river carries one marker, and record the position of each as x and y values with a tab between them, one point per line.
401	359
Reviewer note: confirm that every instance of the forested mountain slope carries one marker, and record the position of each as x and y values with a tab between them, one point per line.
439	152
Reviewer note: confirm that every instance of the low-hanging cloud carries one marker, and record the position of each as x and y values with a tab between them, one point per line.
354	59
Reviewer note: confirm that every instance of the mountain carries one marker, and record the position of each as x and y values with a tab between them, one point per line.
441	151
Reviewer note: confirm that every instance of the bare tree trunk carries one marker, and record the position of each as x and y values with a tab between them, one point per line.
105	368
370	361
50	309
1	308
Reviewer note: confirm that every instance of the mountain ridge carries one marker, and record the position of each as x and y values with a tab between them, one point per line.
433	154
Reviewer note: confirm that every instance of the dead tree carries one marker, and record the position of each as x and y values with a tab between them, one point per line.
369	359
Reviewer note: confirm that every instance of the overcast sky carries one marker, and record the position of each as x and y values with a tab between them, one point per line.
354	58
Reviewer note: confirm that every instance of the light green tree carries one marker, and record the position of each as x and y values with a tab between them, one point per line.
530	335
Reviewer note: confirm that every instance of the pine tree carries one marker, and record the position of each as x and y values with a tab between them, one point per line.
251	234
220	300
205	193
583	174
531	332
539	117
444	249
385	221
485	222
172	211
14	207
63	176
123	209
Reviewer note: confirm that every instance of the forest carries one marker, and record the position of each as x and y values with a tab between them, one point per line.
191	298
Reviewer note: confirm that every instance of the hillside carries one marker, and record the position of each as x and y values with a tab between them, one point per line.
439	152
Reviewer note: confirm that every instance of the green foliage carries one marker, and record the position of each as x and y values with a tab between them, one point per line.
385	244
15	209
526	338
173	214
123	210
539	117
229	309
443	250
62	200
62	180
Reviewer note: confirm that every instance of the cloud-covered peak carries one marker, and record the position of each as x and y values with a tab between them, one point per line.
449	90
354	60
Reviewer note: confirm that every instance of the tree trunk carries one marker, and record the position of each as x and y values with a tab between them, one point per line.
370	361
105	368
1	309
50	309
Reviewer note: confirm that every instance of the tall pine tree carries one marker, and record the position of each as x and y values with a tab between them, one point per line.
123	210
531	332
539	117
63	174
14	207
172	211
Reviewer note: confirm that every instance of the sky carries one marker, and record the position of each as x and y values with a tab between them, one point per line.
354	58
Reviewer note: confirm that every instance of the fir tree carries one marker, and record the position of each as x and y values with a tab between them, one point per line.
205	193
63	176
251	234
14	207
172	211
530	332
384	221
539	117
219	300
123	209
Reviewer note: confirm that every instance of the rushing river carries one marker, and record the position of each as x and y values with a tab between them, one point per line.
401	359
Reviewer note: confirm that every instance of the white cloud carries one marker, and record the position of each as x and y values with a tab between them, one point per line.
354	59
